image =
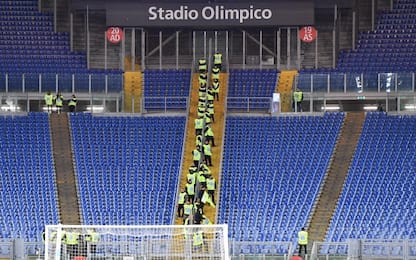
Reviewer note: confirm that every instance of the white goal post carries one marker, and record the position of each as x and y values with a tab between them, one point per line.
84	242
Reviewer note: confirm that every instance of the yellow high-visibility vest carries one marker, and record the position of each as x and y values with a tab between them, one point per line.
217	58
187	209
303	237
197	155
198	238
182	196
190	188
48	99
211	184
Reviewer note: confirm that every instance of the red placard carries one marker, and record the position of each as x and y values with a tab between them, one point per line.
114	34
307	34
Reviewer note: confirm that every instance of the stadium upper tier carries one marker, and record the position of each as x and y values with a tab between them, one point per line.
127	168
29	43
272	170
389	48
379	200
28	197
29	46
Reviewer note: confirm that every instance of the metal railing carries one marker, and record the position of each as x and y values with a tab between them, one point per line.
249	104
356	82
62	82
365	249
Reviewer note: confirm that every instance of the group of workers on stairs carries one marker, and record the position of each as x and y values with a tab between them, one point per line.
200	184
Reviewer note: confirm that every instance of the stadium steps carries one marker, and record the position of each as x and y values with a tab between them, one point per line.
217	128
284	87
133	86
128	66
64	169
336	175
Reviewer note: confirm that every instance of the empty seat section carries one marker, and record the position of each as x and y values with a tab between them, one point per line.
272	170
166	89
255	86
28	187
127	168
379	200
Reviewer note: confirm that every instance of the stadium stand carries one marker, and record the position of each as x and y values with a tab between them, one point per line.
267	195
390	48
378	199
251	84
28	192
29	46
127	168
159	84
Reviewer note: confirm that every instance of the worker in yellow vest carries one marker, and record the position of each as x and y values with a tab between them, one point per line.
218	60
201	111
199	125
209	135
72	104
196	156
203	167
181	202
201	178
303	240
202	65
198	140
210	95
216	88
92	238
187	209
297	100
191	176
48	101
207	153
190	190
215	73
59	102
202	80
198	241
71	239
211	186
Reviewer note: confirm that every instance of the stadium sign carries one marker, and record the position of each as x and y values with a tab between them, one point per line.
308	34
210	15
114	34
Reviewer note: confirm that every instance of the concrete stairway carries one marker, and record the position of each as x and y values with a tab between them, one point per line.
133	88
284	87
337	172
218	129
64	169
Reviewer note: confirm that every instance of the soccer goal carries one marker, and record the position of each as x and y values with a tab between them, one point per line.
78	242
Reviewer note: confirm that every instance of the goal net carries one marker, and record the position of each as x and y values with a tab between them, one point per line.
78	242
